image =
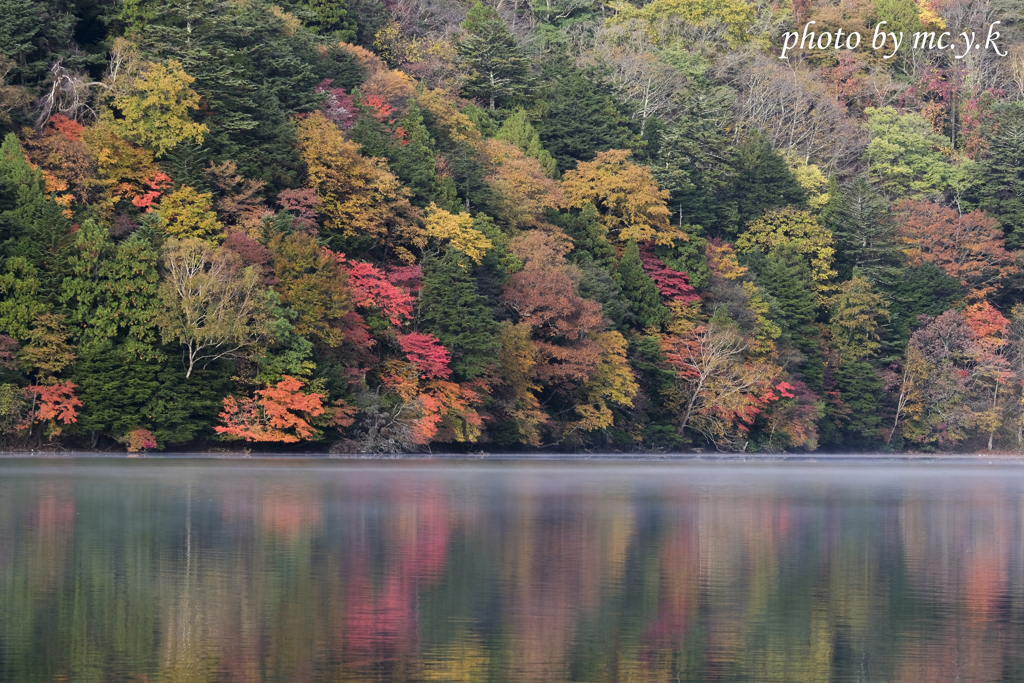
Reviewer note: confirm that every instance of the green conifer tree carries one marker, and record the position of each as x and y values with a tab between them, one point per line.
863	229
518	130
1001	192
696	161
598	284
572	100
415	162
333	18
640	291
253	71
22	195
500	70
587	233
860	387
451	308
786	279
764	181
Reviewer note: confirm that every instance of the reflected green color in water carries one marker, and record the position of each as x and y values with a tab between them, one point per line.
329	571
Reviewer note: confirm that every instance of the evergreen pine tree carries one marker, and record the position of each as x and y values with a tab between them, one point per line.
370	17
373	137
587	233
1002	174
786	279
415	163
863	229
696	162
482	120
580	117
333	18
451	308
764	181
32	226
655	380
499	260
500	70
253	72
22	23
115	389
860	386
640	291
22	195
184	409
911	292
518	130
38	33
598	284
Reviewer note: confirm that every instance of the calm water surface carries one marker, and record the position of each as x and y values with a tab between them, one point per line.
190	570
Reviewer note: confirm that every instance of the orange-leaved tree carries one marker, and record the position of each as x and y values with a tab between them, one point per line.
54	403
969	247
278	413
522	188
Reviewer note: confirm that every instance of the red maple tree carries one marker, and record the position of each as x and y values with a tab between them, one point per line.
427	353
673	284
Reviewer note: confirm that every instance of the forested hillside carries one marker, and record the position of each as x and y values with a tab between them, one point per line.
378	226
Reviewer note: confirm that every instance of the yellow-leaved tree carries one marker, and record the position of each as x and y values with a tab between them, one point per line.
663	20
517	367
360	196
186	212
612	382
627	196
457	231
154	100
122	168
804	232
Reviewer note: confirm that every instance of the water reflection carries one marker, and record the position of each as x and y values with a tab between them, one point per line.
228	571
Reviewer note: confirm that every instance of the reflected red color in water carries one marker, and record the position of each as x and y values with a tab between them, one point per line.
404	572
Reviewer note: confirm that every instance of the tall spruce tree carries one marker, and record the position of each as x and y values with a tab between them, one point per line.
786	279
587	233
598	284
451	308
860	387
22	195
499	69
518	130
763	181
696	161
580	117
333	18
863	229
640	291
253	71
415	164
1001	192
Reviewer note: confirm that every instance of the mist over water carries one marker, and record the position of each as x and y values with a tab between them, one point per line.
410	571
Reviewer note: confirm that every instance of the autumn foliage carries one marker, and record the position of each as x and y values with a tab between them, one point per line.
969	247
541	225
279	413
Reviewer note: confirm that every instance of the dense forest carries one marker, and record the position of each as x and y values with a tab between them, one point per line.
383	226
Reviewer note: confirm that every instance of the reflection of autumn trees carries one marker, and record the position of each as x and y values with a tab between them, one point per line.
470	574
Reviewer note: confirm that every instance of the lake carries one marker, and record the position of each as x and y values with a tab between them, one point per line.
305	570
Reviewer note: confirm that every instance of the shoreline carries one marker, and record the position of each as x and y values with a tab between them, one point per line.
706	458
